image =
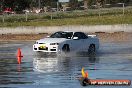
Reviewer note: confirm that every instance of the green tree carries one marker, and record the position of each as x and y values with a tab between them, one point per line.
100	3
1	5
16	5
22	4
88	3
73	4
51	3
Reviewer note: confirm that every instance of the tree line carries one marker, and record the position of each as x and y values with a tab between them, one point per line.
19	5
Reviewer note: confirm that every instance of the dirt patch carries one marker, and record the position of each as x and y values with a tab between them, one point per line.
10	37
116	36
103	37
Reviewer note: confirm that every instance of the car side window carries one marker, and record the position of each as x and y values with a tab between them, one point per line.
69	35
80	35
83	36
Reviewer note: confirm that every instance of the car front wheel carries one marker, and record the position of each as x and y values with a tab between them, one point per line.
66	48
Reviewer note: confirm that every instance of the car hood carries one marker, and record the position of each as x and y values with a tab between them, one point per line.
51	40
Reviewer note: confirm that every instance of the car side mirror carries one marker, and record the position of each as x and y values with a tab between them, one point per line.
47	36
75	38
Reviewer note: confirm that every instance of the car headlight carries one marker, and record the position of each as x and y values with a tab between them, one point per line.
54	43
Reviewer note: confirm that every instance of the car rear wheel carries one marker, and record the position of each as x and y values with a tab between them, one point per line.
66	48
91	50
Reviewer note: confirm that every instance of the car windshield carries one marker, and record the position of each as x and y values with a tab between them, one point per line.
66	35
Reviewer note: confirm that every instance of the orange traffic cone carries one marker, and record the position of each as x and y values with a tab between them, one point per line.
84	74
19	56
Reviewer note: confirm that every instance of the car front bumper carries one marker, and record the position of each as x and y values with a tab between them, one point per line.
45	48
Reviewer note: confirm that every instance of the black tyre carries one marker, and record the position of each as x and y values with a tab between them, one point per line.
91	50
66	48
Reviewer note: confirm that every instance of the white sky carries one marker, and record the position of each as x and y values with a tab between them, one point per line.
63	0
67	0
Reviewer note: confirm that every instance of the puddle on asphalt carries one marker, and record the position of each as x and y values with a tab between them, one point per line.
113	61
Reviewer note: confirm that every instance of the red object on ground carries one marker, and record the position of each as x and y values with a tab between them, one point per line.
84	81
118	82
8	11
19	56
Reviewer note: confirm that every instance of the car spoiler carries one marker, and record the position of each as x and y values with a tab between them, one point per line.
92	36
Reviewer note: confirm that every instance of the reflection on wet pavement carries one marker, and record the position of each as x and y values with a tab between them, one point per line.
113	61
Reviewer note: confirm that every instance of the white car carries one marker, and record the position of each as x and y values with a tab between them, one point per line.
64	41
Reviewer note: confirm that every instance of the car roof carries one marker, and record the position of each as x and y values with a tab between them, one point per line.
66	31
71	31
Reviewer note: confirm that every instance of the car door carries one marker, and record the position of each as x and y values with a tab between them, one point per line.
85	42
78	42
